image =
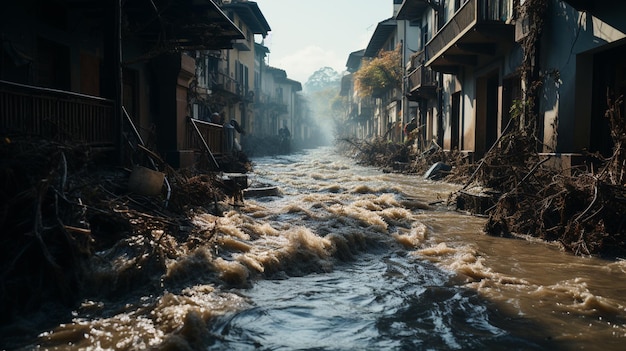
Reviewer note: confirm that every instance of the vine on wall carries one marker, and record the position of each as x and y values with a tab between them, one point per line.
535	11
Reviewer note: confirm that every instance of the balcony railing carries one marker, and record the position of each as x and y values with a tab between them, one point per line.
227	83
422	79
275	103
472	14
56	115
213	135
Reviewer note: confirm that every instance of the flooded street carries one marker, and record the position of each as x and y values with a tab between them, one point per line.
351	258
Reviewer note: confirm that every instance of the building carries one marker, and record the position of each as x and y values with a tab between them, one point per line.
468	76
107	75
238	65
392	108
278	103
358	121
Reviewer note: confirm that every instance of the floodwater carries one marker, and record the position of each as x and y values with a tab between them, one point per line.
351	258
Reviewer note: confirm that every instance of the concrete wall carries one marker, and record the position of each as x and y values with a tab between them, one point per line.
571	39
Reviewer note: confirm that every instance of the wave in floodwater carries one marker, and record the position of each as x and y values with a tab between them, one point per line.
349	257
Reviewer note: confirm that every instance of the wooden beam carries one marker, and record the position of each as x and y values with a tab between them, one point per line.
449	69
488	49
463	60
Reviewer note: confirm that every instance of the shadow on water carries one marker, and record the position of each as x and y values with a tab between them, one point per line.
377	302
349	258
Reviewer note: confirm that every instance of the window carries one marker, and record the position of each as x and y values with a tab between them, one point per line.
241	76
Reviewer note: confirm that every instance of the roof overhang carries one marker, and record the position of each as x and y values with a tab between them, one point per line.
412	9
297	86
252	16
277	72
261	49
379	38
354	60
182	24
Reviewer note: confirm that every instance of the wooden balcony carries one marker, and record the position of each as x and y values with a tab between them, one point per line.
476	33
56	115
421	80
213	135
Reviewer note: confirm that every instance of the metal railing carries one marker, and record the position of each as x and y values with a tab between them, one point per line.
227	83
56	115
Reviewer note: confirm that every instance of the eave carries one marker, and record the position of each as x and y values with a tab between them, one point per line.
252	16
412	9
379	38
179	24
354	60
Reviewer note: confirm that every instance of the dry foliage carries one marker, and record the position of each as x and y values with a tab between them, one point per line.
585	212
381	73
387	155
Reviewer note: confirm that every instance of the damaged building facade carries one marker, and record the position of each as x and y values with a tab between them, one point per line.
462	79
114	74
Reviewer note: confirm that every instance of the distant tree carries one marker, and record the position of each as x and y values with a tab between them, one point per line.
321	79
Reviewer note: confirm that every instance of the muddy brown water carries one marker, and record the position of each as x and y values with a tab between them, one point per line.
351	258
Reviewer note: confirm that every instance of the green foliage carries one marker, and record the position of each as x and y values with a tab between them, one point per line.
382	73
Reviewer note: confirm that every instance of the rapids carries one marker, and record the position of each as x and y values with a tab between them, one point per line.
351	258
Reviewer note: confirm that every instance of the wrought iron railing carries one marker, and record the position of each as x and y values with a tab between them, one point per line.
56	115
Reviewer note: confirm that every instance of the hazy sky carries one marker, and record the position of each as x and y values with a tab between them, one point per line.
310	34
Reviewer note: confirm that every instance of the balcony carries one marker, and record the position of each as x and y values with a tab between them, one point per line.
421	80
242	45
226	84
212	134
478	31
57	115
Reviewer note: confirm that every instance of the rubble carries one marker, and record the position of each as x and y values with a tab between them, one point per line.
62	208
583	209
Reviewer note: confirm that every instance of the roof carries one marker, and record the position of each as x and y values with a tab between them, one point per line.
261	50
354	60
412	9
188	25
276	72
297	85
379	38
252	16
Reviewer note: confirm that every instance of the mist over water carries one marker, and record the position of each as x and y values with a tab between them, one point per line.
351	258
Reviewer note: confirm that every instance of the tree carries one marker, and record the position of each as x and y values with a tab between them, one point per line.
381	73
321	79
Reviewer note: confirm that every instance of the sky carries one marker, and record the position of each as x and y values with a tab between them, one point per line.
310	34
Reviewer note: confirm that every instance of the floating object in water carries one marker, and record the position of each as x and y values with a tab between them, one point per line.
261	191
435	172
